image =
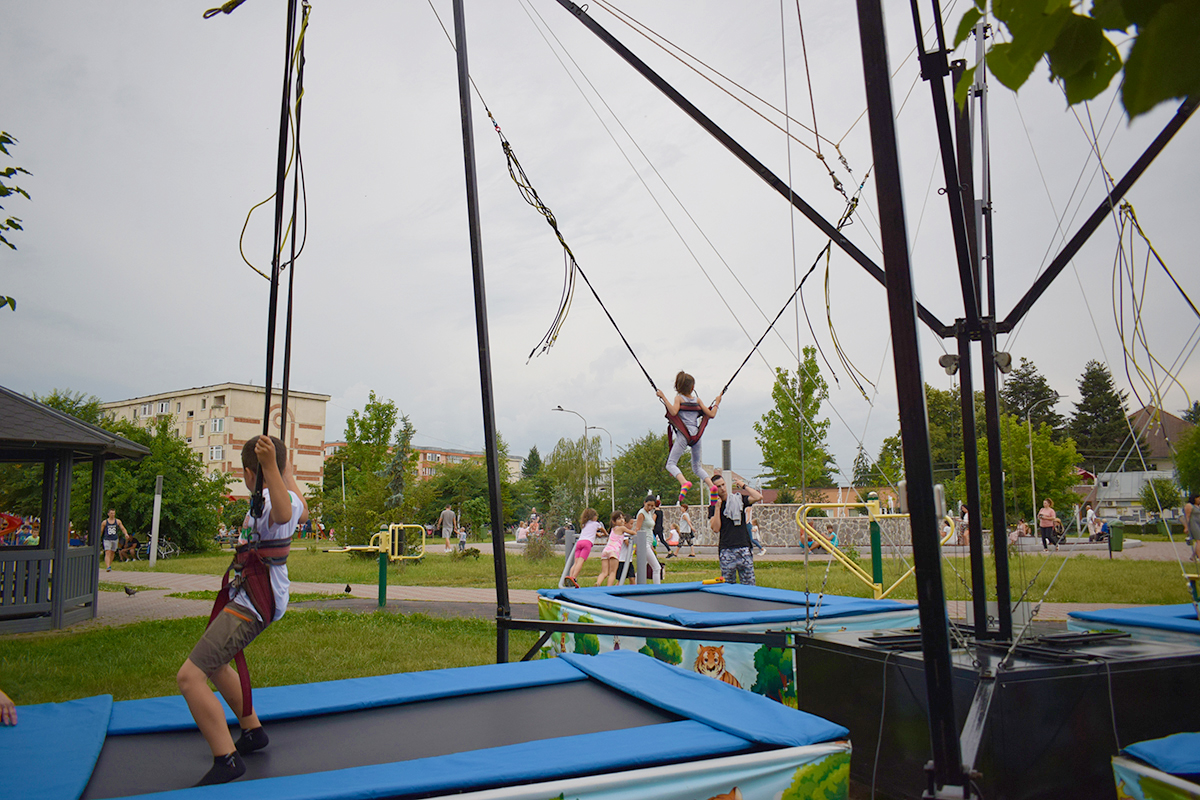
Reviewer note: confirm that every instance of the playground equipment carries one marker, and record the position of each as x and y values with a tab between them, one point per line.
875	579
391	545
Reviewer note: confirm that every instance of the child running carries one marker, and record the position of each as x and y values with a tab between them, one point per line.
689	410
687	533
611	554
252	604
589	529
645	524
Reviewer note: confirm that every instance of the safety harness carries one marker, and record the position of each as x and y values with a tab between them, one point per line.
676	424
251	572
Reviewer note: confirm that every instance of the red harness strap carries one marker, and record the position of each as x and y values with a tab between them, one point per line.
676	425
250	567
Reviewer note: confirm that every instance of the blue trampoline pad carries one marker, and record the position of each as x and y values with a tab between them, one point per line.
1179	618
430	733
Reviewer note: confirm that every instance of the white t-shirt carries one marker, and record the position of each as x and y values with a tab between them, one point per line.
590	529
267	531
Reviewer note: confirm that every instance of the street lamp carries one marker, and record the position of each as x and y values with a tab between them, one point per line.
1029	424
586	480
612	465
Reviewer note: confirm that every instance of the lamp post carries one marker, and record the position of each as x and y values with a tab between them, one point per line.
612	491
1029	424
586	479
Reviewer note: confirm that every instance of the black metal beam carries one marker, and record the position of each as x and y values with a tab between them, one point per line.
910	388
746	158
991	399
1102	211
970	445
503	609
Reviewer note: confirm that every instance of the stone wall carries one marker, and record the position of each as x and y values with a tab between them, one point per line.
777	526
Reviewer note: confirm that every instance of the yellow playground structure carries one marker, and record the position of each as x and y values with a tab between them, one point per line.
875	514
393	543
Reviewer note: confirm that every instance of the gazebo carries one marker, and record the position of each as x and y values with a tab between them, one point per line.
50	584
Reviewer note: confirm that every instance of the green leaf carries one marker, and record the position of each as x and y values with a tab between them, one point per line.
1084	59
12	302
964	87
1164	62
1110	15
1140	12
965	25
1009	67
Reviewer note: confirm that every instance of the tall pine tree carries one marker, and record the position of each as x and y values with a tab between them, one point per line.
1025	389
1099	425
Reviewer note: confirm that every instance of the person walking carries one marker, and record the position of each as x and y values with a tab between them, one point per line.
687	531
109	537
729	523
1191	524
1047	521
447	523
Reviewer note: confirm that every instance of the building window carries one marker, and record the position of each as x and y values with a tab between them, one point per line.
191	414
216	453
203	403
178	407
219	401
188	440
433	457
164	407
218	425
146	410
200	431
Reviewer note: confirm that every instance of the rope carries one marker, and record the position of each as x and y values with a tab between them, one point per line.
224	8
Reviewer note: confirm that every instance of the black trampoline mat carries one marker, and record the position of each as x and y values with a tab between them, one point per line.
157	762
711	601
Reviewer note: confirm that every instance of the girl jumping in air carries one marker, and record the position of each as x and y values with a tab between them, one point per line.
688	415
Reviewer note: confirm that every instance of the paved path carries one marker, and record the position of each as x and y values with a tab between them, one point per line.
117	608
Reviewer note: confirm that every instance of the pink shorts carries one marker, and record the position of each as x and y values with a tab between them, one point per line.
583	549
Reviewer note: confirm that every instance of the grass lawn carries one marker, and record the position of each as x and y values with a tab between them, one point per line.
141	660
1085	579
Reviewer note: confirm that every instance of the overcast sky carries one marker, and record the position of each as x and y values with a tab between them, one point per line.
150	132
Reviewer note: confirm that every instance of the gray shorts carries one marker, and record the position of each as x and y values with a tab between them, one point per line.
737	562
233	629
109	544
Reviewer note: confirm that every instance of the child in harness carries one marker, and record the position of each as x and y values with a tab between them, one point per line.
688	416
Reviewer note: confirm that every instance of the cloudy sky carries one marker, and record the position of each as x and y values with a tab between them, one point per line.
150	132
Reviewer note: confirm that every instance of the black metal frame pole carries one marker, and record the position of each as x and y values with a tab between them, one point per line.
914	423
934	69
991	399
966	391
746	158
503	608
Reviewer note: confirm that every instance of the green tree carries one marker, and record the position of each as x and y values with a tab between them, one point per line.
792	433
890	462
1025	389
640	470
401	469
532	465
1160	494
1192	413
7	188
1099	425
192	500
667	650
1187	461
1164	54
1053	470
567	466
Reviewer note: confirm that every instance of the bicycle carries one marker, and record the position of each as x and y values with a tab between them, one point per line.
166	549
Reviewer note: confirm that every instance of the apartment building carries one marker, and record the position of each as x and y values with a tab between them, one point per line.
217	420
430	458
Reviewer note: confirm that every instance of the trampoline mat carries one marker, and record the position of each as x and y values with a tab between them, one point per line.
713	602
156	762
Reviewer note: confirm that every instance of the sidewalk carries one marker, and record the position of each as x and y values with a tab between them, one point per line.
118	608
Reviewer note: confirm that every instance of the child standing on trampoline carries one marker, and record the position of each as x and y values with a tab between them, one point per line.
589	529
252	604
610	556
688	416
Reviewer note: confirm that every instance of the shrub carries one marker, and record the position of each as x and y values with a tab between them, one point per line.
539	548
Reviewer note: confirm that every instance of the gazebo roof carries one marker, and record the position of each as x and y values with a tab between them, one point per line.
29	430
